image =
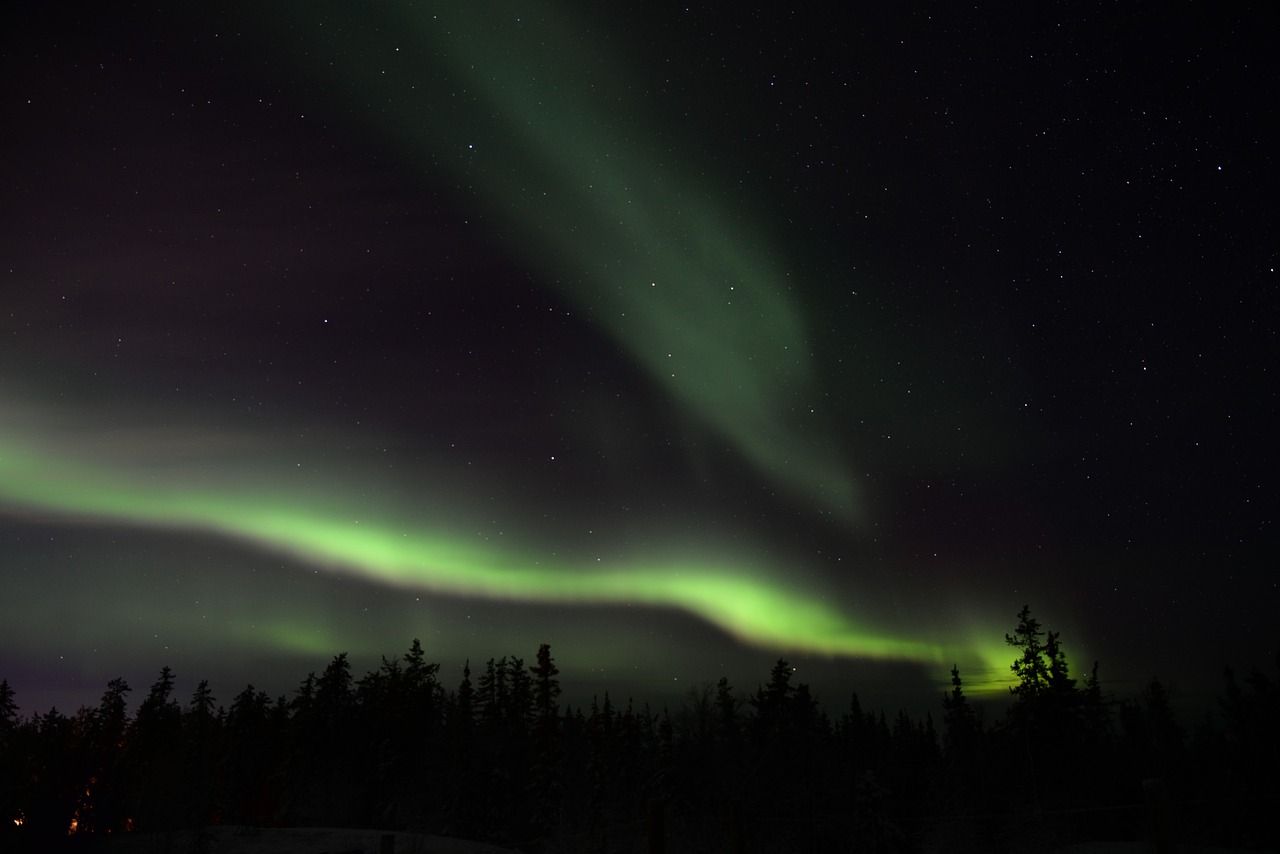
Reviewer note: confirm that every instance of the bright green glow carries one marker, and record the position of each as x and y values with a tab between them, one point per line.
523	107
573	170
753	606
984	666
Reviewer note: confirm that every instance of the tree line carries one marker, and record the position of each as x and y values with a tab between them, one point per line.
497	757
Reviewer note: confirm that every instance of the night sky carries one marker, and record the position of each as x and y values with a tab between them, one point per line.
682	338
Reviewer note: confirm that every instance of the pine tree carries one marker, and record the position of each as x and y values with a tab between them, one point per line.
726	711
1095	710
1058	681
105	808
8	712
303	704
58	776
960	726
250	753
425	693
334	697
200	739
772	702
596	776
545	778
1030	666
519	695
155	758
336	789
463	706
607	714
202	703
112	715
493	690
1048	724
11	762
416	667
546	685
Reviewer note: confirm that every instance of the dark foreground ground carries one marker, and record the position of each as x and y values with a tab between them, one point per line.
245	840
303	840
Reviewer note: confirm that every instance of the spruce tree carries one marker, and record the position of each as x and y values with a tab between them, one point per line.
107	727
1030	666
545	777
546	686
726	711
11	762
200	737
960	726
155	758
8	712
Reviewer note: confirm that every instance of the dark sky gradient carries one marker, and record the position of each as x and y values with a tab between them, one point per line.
679	337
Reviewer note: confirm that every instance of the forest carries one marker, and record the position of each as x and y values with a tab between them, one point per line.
499	758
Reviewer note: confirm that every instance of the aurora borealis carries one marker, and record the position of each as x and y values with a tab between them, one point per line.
681	340
759	610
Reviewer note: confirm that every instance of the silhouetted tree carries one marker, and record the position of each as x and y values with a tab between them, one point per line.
463	707
546	687
1030	666
727	706
8	712
463	792
334	788
391	749
1058	681
253	760
772	702
155	758
545	782
398	722
11	762
1095	711
519	695
105	805
334	699
596	778
492	690
424	693
1048	730
960	724
201	736
57	768
854	736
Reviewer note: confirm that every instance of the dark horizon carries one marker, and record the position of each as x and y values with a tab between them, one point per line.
831	688
504	760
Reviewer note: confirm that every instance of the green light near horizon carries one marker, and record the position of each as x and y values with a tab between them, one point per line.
756	606
646	244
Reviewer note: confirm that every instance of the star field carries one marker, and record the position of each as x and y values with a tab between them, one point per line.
679	338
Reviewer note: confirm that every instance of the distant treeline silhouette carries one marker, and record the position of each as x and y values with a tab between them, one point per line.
497	758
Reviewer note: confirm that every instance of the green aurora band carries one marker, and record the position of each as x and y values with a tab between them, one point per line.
756	607
538	118
534	119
